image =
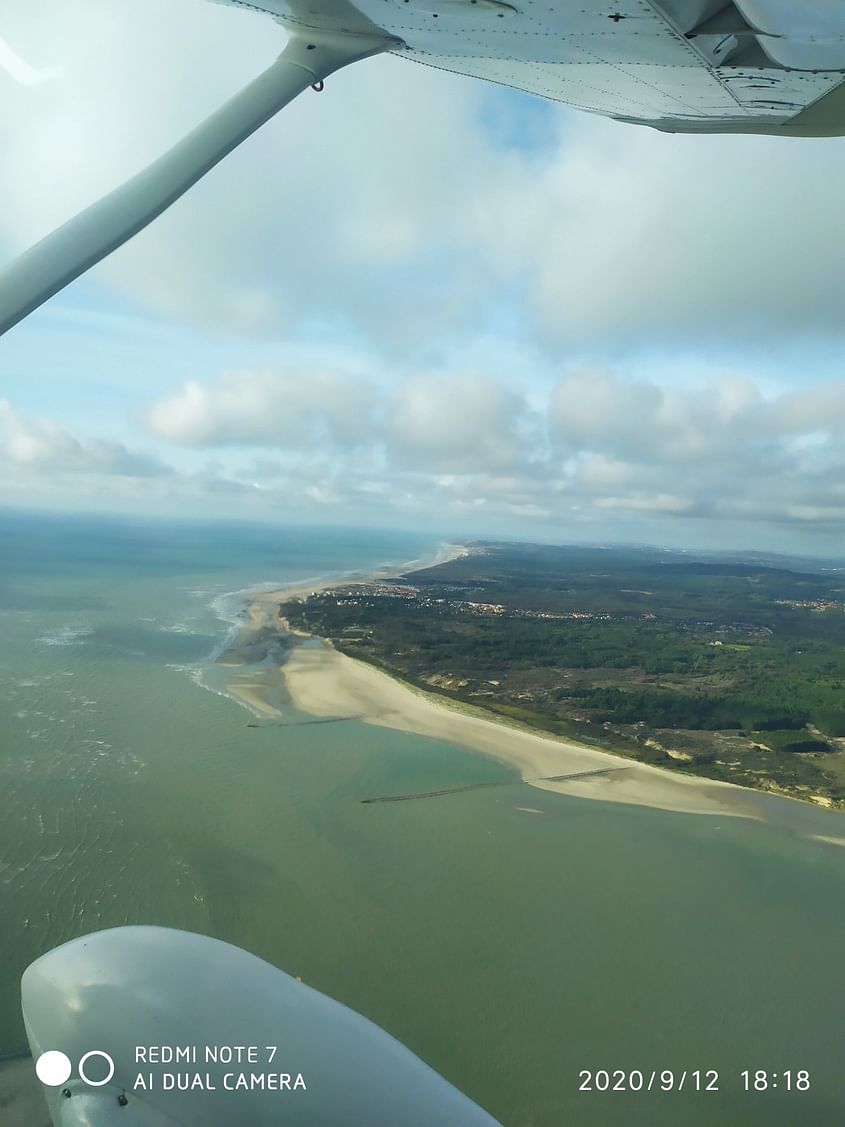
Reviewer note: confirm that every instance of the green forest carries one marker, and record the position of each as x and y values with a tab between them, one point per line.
731	667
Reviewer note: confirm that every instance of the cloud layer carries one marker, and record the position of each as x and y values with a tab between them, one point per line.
412	206
601	452
35	446
464	443
431	300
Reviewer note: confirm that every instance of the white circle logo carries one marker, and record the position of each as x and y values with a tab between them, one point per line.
109	1074
53	1068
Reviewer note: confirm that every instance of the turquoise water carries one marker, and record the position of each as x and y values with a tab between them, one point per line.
511	949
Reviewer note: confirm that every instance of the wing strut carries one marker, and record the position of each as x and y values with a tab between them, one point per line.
71	249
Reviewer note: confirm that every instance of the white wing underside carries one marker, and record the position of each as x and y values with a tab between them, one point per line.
682	65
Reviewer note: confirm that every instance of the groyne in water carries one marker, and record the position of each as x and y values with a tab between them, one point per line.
496	783
301	723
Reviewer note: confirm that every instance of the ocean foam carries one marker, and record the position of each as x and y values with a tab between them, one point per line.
66	636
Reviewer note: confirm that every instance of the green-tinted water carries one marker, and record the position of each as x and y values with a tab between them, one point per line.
511	949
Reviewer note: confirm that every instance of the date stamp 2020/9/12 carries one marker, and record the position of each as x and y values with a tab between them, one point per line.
696	1080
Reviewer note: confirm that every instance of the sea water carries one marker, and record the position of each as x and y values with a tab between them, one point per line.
523	943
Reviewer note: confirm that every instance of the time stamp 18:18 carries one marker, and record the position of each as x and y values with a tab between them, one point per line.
691	1080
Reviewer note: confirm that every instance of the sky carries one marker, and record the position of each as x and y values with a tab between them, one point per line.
416	300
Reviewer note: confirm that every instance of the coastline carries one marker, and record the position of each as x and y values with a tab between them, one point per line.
324	682
251	657
268	658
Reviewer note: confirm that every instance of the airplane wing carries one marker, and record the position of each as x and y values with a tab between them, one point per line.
751	66
153	1027
747	66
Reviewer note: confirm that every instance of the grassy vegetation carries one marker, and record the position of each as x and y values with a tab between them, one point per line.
732	668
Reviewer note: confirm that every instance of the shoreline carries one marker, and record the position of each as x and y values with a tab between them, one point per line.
249	659
269	661
323	682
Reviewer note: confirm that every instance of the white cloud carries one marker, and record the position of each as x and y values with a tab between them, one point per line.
36	446
449	446
284	409
462	447
455	422
598	411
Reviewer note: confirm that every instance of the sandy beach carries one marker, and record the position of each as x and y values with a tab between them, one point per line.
252	656
266	656
327	683
269	663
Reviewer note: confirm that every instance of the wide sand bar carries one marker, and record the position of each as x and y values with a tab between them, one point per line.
327	683
324	682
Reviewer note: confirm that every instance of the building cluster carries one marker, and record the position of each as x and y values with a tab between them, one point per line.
481	608
554	614
356	594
